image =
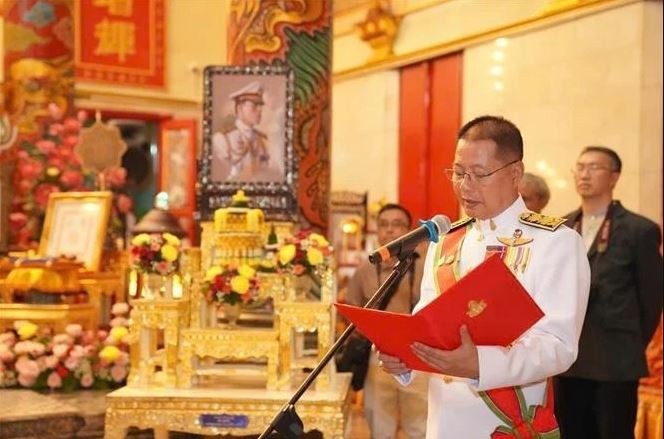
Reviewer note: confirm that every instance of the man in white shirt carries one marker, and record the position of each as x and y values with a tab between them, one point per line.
547	258
240	152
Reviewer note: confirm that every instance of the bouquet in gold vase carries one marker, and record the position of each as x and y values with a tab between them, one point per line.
155	253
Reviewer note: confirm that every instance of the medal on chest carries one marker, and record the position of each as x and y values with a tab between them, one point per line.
515	252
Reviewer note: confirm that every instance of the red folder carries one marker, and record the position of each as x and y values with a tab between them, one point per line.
489	300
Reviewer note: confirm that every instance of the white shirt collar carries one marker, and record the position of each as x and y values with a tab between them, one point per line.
505	219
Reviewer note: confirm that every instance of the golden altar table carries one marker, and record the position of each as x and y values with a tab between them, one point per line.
242	407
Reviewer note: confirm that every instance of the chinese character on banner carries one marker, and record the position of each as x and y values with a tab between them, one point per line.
127	44
116	7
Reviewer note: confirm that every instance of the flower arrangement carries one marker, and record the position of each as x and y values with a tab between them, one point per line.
230	284
47	163
304	253
155	253
35	358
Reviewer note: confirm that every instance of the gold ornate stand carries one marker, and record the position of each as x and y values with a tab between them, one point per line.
304	316
234	344
181	409
147	316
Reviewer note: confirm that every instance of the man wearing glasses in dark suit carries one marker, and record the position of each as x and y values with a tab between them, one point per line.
597	396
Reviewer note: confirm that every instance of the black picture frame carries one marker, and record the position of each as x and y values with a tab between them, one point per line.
275	190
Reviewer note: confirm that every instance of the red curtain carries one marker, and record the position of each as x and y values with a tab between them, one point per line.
430	116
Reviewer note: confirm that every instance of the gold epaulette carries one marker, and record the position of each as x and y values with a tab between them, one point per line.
461	222
541	221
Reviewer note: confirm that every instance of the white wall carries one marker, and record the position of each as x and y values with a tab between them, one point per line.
365	129
594	80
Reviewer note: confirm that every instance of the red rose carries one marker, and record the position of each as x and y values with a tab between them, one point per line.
71	178
62	371
42	192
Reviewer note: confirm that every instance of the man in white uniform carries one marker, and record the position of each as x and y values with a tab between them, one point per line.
550	262
240	152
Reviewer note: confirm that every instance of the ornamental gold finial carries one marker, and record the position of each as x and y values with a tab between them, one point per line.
379	29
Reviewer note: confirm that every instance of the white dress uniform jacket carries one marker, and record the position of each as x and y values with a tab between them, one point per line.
557	276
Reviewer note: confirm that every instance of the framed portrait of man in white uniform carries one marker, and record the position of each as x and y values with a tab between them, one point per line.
247	139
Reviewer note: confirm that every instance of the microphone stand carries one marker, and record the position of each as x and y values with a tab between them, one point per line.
287	422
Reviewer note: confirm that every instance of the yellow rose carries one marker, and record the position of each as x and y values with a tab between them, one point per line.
171	239
246	271
267	264
239	284
109	353
319	240
118	333
212	272
141	239
286	254
27	330
52	171
169	253
314	256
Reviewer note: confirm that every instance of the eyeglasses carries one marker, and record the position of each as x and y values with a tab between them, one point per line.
457	177
396	224
579	168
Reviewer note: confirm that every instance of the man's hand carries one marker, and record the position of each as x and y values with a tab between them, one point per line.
461	362
391	364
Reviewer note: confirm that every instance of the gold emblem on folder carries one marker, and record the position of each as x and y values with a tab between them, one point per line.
475	308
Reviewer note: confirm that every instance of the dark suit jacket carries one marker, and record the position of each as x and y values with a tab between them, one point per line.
625	300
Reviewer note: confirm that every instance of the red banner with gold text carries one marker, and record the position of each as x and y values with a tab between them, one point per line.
120	41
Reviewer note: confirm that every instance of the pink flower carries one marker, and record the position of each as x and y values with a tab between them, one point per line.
54	111
7	338
116	176
17	220
63	339
26	367
55	129
82	116
42	192
70	141
54	381
30	169
118	373
72	363
164	267
74	329
51	361
77	352
71	178
45	146
29	347
102	334
26	380
72	124
57	162
87	380
6	355
124	203
25	186
120	308
123	359
60	350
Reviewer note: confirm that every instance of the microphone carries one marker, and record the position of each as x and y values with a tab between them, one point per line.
427	231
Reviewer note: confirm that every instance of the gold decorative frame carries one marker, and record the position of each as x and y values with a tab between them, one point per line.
75	225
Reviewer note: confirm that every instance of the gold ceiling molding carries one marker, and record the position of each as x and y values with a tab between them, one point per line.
349	8
558	12
154	103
